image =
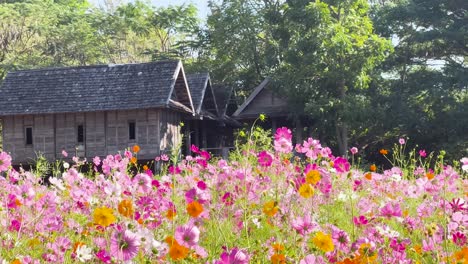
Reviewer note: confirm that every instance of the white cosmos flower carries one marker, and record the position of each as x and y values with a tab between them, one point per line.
83	253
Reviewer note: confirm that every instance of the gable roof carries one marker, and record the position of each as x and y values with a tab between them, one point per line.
202	93
96	88
251	97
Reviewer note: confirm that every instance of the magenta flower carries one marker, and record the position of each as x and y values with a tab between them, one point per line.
5	161
174	170
264	159
15	225
359	221
341	164
227	199
187	235
124	245
103	256
422	153
194	149
205	155
459	239
235	256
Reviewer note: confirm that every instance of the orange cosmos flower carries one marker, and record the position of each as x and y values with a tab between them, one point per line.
270	208
178	252
430	175
373	168
126	208
16	261
194	209
170	214
277	247
136	148
368	176
278	259
133	160
145	167
383	152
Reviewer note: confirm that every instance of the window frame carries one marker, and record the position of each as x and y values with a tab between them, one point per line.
26	141
78	133
134	138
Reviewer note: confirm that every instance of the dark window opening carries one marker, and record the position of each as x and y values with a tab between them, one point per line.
29	136
131	131
80	134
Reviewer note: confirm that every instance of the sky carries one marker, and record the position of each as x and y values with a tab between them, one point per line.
202	5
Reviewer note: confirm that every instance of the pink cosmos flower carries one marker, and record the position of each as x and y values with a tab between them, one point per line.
402	141
124	245
187	235
164	157
311	148
464	162
283	145
391	210
5	161
64	153
264	159
312	259
142	182
283	132
354	150
97	161
303	225
235	256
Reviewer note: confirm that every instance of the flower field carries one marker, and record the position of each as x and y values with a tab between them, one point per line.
282	204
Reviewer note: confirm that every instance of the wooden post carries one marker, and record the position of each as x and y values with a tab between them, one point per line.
299	129
273	125
204	138
188	138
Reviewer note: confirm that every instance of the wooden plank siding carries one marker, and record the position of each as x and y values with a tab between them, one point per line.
268	103
157	130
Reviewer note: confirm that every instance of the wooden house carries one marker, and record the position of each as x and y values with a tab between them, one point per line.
210	129
264	100
96	110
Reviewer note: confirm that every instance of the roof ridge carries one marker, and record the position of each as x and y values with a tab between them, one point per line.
95	66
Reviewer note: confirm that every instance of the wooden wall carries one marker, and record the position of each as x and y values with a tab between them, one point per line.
157	130
267	103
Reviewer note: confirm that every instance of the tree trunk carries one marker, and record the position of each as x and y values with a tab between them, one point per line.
340	124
